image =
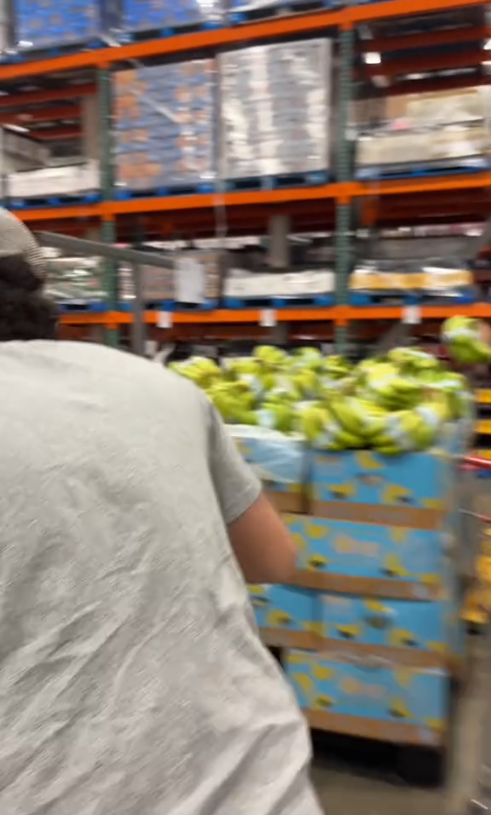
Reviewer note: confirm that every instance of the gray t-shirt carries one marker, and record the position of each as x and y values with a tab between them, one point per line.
132	679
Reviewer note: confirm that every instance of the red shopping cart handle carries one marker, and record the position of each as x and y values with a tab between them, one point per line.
475	463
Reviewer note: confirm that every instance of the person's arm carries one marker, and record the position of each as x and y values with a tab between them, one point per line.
261	542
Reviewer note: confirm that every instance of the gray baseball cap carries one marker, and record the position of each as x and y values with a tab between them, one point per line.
16	239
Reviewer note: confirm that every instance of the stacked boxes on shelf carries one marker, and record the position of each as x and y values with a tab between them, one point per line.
40	24
412	281
71	180
371	627
75	281
275	108
164	120
194	278
148	15
443	128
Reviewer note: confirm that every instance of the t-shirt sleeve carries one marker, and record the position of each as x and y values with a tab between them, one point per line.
236	486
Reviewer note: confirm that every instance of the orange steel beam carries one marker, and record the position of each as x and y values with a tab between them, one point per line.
433	62
416	185
282	198
21	100
230	316
59	213
429	39
403	8
280	27
41	115
52	133
230	199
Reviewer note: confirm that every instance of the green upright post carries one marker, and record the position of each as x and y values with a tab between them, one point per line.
343	166
106	169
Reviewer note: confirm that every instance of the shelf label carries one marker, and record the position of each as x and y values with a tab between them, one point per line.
411	315
164	319
268	318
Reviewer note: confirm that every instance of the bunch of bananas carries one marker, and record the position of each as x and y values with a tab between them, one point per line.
463	338
391	404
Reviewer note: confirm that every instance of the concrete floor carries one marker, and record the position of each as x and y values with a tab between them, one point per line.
354	778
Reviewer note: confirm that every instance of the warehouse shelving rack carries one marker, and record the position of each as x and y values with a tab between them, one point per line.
62	82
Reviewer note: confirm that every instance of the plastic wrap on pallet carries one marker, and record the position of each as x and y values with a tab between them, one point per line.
275	103
403	147
433	277
148	15
53	181
195	277
41	24
243	284
75	280
277	459
164	120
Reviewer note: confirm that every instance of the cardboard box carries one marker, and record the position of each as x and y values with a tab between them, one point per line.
285	614
348	549
414	490
412	705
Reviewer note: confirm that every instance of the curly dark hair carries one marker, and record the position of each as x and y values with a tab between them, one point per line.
25	313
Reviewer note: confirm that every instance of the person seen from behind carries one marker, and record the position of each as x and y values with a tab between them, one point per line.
132	678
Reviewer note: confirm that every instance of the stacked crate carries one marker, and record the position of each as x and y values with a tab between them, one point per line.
164	127
275	104
370	626
148	15
170	288
442	129
40	24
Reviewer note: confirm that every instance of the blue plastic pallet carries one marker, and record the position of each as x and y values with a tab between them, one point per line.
29	55
168	31
39	201
379	299
305	301
82	306
282	181
278	9
423	170
165	192
173	306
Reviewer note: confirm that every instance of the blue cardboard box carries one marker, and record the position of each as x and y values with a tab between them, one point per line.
409	696
407	624
412	480
286	609
368	550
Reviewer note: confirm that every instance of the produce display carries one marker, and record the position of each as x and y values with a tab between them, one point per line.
463	337
392	404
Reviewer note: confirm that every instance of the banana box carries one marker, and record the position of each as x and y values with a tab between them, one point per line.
371	690
281	462
417	626
410	490
367	550
293	613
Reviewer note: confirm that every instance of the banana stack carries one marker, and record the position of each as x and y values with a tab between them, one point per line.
392	404
464	338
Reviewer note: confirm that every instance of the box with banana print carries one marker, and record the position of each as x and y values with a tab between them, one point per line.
369	550
416	626
412	490
371	697
287	615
